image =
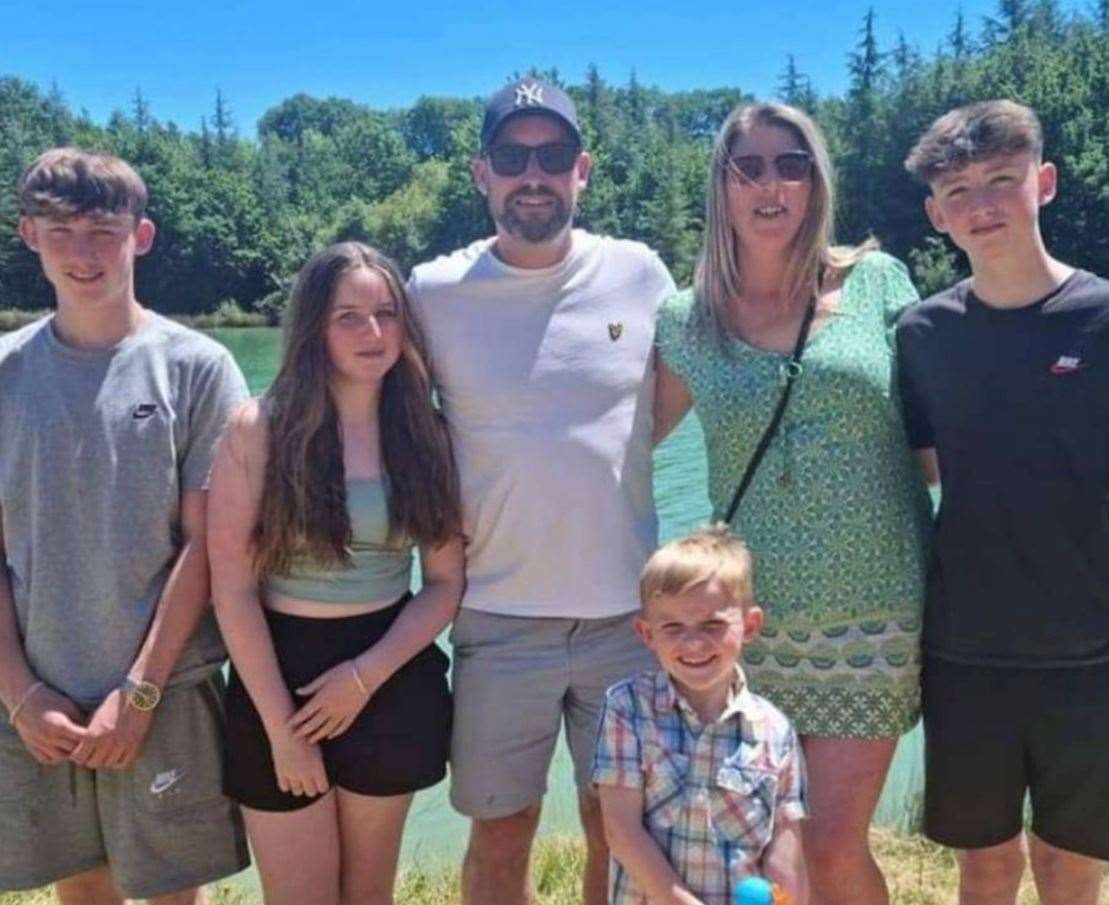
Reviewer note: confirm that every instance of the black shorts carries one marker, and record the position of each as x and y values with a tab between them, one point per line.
993	734
399	743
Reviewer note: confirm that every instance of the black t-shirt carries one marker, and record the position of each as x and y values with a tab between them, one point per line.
1016	403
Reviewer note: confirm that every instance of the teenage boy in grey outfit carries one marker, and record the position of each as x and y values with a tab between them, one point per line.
109	655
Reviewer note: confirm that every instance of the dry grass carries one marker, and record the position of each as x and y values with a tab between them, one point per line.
921	873
918	872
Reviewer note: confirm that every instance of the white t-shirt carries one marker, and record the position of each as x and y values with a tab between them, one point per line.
547	381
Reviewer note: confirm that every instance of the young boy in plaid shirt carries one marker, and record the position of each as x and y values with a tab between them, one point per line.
701	781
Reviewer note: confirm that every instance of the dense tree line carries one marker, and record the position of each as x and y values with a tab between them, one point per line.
237	215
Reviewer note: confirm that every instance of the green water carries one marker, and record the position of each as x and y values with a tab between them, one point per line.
435	833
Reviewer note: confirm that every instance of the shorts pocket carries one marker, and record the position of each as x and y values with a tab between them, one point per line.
743	806
19	772
463	629
664	788
414	698
180	765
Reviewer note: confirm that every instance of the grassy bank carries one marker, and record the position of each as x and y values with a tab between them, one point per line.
918	872
228	314
14	318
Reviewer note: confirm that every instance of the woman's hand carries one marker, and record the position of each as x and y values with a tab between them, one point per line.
338	696
298	765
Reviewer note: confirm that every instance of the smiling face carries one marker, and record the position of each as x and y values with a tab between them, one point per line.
535	207
363	333
697	636
990	208
766	215
89	259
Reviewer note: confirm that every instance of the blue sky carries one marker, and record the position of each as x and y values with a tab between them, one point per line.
387	55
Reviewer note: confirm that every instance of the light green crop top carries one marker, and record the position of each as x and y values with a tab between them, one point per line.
378	571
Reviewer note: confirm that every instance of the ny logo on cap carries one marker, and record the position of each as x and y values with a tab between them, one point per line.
527	95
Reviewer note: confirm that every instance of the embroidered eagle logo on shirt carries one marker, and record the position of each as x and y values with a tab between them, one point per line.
526	95
615	329
1067	364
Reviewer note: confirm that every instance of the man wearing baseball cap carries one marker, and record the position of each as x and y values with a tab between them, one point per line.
541	341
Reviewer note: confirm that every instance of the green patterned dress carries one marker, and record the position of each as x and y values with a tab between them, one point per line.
837	515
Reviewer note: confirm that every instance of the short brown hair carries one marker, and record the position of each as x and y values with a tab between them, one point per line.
69	182
681	565
972	133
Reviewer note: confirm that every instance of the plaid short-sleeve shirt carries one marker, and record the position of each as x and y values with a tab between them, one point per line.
711	793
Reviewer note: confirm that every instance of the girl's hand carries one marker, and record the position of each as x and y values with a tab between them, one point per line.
298	765
338	696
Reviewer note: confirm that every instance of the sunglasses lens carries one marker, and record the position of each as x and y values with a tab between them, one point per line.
750	167
555	159
793	167
509	160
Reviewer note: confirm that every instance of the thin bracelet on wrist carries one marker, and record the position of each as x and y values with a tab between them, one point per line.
358	678
14	712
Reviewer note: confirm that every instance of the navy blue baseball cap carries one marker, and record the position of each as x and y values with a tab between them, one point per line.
528	96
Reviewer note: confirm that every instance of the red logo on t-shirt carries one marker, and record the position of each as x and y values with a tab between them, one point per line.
1067	364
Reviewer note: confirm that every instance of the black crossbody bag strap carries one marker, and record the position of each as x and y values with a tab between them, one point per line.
793	368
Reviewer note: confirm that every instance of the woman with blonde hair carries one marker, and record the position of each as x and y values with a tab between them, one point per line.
783	348
338	707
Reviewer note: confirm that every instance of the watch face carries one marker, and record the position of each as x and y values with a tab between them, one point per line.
144	696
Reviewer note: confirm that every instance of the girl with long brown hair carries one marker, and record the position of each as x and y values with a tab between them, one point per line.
835	512
338	708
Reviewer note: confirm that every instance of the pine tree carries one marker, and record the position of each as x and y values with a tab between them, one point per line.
863	133
637	105
958	39
140	112
222	122
1012	15
205	144
906	60
865	63
598	106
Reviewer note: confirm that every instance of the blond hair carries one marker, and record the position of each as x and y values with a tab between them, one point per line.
813	258
683	564
974	132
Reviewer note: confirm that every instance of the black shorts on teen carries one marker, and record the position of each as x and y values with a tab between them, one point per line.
399	743
993	734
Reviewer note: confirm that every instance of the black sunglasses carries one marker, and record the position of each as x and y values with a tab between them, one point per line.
554	158
791	166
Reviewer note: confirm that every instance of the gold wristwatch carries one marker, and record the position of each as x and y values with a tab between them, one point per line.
143	696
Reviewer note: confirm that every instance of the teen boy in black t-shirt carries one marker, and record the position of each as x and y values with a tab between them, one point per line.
1005	379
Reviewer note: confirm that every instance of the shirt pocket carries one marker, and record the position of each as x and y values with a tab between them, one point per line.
743	806
664	788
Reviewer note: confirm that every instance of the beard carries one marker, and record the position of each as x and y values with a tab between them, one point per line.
533	227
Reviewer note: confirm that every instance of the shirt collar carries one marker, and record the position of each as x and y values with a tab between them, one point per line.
741	702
